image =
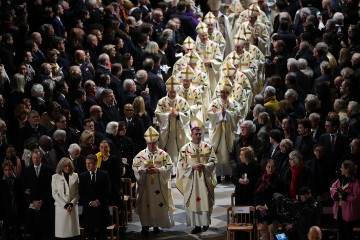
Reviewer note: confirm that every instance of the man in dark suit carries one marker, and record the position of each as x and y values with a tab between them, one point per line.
38	198
304	143
62	89
94	191
134	127
275	138
156	85
77	110
32	129
337	144
58	25
316	129
129	92
110	110
115	83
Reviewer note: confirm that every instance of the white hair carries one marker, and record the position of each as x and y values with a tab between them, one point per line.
112	127
59	134
73	147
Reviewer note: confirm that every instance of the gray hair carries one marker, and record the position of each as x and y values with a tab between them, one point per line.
302	63
37	90
259	108
338	18
103	58
306	11
250	124
342	105
90	38
322	48
141	74
128	83
73	147
291	93
167	33
270	91
59	134
152	48
297	155
287	143
344	120
292	63
354	107
112	127
325	67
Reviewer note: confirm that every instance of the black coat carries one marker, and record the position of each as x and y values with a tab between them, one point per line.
305	180
305	145
240	142
10	199
341	148
244	194
95	217
110	113
38	188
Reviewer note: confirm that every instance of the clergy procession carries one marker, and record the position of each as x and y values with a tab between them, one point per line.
166	108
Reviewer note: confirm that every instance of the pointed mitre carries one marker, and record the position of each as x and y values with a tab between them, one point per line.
214	4
187	73
235	7
210	18
172	84
189	43
151	135
254	10
234	58
193	57
201	28
228	69
226	84
240	39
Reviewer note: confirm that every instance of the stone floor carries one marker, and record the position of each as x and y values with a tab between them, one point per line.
217	228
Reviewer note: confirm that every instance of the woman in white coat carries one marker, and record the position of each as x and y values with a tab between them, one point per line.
64	185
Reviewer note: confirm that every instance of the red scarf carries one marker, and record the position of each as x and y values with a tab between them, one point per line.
265	181
295	176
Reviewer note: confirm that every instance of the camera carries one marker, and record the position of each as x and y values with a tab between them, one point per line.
288	210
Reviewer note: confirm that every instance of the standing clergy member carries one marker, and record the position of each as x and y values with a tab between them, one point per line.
196	181
152	167
224	114
210	54
173	115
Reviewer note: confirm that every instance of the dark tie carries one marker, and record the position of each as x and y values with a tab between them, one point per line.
93	178
332	138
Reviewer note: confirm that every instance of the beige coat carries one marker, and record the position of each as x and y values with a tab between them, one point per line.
66	224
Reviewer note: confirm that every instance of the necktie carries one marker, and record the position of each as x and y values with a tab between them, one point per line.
37	170
93	176
332	141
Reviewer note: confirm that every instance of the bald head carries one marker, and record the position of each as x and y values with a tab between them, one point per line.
314	233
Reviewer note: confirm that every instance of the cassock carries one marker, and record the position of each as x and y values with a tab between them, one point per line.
193	96
197	186
215	35
174	131
209	51
154	202
222	128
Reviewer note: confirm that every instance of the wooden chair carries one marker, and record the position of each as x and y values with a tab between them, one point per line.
128	197
233	199
240	219
328	223
113	229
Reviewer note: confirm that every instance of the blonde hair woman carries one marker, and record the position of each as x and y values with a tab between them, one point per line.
64	185
140	111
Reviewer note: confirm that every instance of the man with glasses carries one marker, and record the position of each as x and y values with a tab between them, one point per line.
134	127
